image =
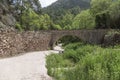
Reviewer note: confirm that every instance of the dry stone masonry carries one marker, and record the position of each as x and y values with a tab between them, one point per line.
13	42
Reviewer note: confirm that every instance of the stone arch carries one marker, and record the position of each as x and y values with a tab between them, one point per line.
56	38
89	36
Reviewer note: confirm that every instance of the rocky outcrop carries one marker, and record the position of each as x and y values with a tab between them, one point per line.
111	40
6	16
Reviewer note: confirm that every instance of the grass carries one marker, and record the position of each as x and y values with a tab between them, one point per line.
85	62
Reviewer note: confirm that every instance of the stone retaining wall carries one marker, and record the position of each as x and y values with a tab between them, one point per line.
12	42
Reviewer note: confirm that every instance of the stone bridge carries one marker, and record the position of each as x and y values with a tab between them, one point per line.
90	36
13	42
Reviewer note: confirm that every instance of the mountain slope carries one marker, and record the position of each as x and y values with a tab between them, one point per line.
6	16
67	4
61	7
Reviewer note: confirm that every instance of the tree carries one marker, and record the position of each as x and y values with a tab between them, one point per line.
76	10
45	22
84	20
99	10
66	22
99	6
33	4
114	11
26	13
31	20
106	13
61	8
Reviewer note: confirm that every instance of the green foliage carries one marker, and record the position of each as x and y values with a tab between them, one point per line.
64	7
114	11
66	14
18	27
54	9
99	6
88	62
113	32
76	10
67	21
26	4
45	22
71	55
69	16
56	61
99	9
106	13
28	14
30	20
84	20
56	27
33	21
73	46
97	67
65	40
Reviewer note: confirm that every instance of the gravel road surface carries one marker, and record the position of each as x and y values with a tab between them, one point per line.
30	66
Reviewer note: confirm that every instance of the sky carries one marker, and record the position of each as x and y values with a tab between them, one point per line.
45	3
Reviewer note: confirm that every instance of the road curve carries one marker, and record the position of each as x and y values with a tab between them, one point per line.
30	66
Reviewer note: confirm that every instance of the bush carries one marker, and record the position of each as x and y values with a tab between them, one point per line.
88	62
71	55
18	26
104	65
74	46
55	61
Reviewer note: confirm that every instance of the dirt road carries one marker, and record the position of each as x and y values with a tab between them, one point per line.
30	66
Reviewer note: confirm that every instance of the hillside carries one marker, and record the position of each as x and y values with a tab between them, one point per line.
61	7
62	14
68	4
11	11
6	16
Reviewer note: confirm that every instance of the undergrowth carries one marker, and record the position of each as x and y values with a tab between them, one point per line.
85	62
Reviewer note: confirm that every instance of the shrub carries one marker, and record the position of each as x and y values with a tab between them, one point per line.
55	61
74	45
18	26
104	65
88	62
71	55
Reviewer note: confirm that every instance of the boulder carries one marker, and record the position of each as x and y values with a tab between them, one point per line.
111	40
